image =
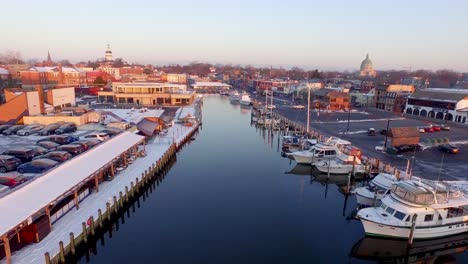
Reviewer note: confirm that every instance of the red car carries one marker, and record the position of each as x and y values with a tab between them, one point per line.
436	128
12	180
429	129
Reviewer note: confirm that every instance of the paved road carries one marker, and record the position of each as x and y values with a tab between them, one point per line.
428	163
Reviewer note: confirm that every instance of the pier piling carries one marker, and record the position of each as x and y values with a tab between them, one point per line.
72	243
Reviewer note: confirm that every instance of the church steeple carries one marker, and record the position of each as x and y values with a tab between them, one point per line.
49	61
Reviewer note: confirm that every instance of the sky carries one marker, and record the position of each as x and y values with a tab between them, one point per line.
332	34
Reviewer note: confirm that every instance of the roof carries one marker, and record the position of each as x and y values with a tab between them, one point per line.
210	84
323	91
4	71
451	95
19	205
148	125
338	94
397	132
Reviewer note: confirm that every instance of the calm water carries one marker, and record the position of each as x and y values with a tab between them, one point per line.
231	198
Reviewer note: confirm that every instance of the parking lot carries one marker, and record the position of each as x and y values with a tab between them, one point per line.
9	142
429	163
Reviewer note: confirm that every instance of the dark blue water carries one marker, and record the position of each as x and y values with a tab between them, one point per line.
229	199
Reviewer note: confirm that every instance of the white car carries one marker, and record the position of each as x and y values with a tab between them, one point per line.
298	106
270	106
29	130
97	135
421	130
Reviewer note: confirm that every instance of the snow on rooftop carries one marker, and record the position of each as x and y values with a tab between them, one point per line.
4	71
37	194
133	115
185	112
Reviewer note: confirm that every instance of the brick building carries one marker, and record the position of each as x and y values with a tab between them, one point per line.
392	97
338	100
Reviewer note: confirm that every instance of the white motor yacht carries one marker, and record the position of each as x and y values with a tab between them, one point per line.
318	152
245	99
234	96
341	164
377	189
432	207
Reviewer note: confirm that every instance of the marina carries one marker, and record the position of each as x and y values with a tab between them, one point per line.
267	210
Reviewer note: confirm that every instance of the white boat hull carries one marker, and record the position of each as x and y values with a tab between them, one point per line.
366	198
334	169
377	229
242	102
304	158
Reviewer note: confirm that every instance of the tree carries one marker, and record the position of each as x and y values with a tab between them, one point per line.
100	81
118	62
11	57
65	63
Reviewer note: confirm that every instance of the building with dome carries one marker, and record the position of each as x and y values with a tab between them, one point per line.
108	57
367	68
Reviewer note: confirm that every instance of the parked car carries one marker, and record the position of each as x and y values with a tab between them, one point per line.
436	128
48	130
371	132
8	163
445	127
83	144
383	132
429	129
12	180
12	130
3	188
29	130
421	130
38	150
58	155
91	142
112	131
73	149
48	145
97	135
37	166
449	148
66	128
24	154
59	139
4	127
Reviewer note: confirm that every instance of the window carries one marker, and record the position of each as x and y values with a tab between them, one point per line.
390	210
428	218
400	215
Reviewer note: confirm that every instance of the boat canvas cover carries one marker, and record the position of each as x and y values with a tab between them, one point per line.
18	206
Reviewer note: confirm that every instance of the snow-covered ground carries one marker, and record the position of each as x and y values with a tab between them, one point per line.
71	222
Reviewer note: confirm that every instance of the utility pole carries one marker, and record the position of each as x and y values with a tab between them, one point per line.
386	134
349	116
308	109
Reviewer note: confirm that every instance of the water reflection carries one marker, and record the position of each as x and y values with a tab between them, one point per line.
442	250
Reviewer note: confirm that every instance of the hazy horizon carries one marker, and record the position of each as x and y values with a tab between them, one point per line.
332	35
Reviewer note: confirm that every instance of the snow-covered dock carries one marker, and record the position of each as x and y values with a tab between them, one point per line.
157	150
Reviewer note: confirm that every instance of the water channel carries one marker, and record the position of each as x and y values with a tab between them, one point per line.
231	198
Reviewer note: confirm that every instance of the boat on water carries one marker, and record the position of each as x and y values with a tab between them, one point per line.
318	152
341	164
432	209
421	251
223	92
234	96
379	187
245	99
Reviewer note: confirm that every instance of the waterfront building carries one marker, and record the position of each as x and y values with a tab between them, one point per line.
210	86
175	78
392	97
147	94
439	103
367	68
